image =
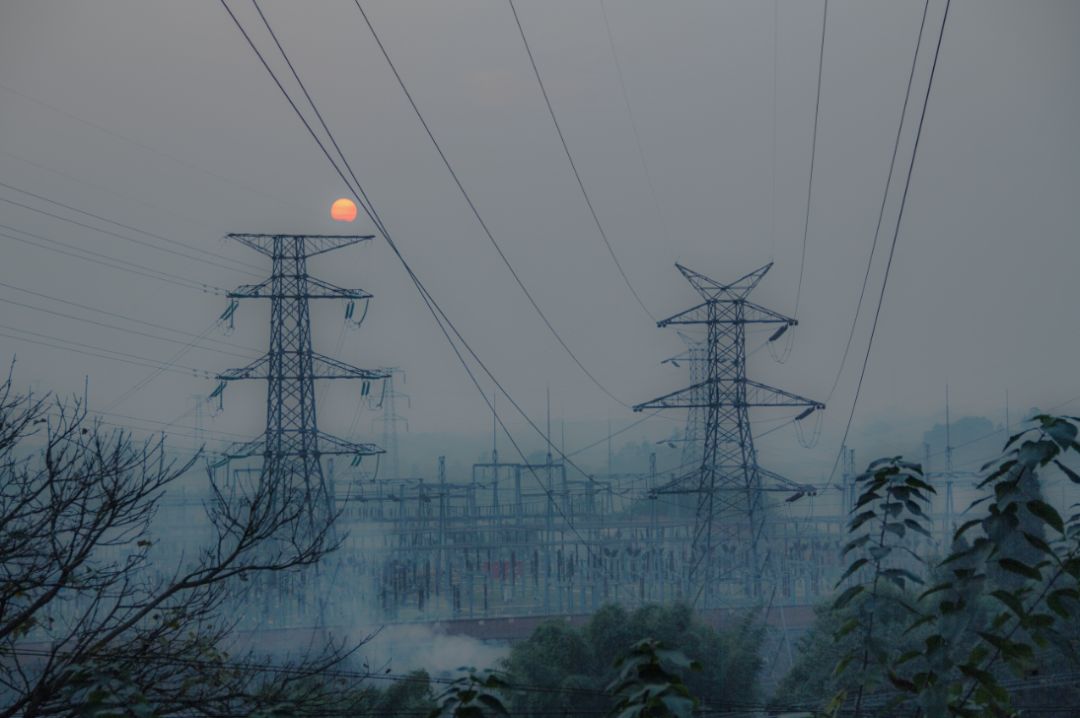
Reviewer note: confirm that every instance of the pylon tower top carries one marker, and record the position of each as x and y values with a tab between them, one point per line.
729	484
292	444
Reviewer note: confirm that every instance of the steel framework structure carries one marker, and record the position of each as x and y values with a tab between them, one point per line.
292	445
729	484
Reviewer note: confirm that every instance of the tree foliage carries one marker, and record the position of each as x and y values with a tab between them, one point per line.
87	622
570	664
647	687
1004	600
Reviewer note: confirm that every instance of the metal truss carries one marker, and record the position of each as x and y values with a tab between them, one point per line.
292	444
729	485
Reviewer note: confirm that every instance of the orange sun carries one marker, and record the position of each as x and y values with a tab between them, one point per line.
343	210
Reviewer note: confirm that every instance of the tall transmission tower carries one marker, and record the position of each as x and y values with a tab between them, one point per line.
694	357
292	445
390	419
730	484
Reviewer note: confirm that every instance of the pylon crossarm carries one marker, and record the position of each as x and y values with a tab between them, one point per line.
758	394
783	483
757	314
313	243
332	291
331	445
679	399
250	291
265	290
254	370
323	367
698	314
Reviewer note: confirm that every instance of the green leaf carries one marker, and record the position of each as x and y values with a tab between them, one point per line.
917	527
847	627
1040	544
904	573
1056	600
845	598
1011	601
855	566
866	498
934	589
1047	513
1037	453
1073	476
860	520
921	622
857	543
1061	431
1020	568
835	703
964	527
901	683
905	657
879	552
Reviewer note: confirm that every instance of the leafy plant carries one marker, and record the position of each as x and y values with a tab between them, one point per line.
646	688
1032	609
1007	592
474	695
889	510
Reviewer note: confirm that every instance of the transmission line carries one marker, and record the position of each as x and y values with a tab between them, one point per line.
884	199
107	261
813	155
464	193
91	350
123	329
119	236
124	317
633	123
128	227
573	165
892	247
446	326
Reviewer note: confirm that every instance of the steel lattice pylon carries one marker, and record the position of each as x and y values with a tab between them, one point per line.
292	445
729	483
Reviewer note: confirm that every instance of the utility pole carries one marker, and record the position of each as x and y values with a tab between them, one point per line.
729	484
292	445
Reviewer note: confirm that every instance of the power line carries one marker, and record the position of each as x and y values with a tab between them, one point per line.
892	247
124	317
813	155
446	326
91	350
122	329
107	261
465	194
884	200
119	236
171	361
128	226
573	165
633	122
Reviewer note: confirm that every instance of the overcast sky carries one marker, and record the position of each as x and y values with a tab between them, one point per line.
159	116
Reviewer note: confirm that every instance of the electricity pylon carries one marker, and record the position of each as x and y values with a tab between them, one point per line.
292	445
730	483
694	358
390	419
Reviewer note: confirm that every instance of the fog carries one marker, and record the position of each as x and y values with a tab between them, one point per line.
157	115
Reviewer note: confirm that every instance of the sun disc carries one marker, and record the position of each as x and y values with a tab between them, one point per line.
343	210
